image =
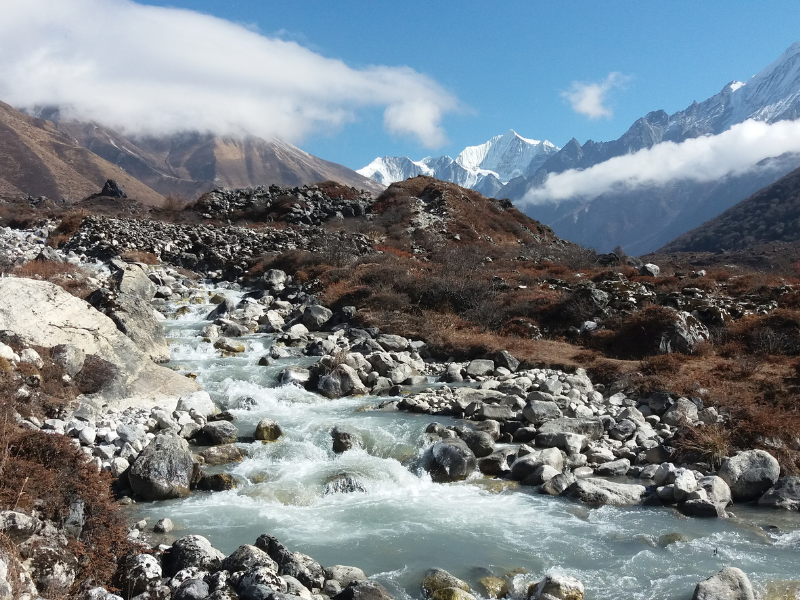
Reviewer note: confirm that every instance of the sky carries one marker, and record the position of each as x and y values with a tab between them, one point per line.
349	81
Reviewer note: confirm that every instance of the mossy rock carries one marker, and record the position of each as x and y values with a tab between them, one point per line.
197	300
437	579
217	299
451	593
218	482
268	430
671	538
494	586
183	310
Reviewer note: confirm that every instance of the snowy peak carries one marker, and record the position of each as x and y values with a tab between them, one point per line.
507	156
485	167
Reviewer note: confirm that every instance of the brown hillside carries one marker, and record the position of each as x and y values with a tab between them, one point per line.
189	164
770	215
39	160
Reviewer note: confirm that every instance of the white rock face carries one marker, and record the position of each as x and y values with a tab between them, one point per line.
43	314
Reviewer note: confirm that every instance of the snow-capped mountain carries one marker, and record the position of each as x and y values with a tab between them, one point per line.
484	168
643	220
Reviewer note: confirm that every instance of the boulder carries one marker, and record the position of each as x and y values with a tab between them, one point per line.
220	455
571	443
342	381
785	494
684	484
247	557
43	314
392	343
480	367
729	584
199	401
217	482
295	564
344	575
163	470
524	467
684	334
344	440
140	572
599	491
750	473
506	360
480	442
538	411
591	428
716	489
364	590
682	410
217	433
556	587
451	593
191	589
315	317
268	430
437	579
614	468
451	460
192	551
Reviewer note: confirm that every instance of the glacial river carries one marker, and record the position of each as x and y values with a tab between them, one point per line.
403	523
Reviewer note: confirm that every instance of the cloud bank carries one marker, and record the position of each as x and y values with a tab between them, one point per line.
590	98
153	70
700	159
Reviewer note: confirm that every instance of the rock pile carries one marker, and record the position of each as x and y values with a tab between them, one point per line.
213	250
307	205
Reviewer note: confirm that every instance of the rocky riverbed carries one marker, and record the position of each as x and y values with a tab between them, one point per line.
359	448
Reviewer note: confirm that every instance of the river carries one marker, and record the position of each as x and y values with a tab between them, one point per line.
402	523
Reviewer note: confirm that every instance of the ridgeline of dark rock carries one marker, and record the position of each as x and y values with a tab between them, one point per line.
200	247
770	215
309	205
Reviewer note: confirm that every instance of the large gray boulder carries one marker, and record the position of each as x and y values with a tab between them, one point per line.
538	411
192	551
295	564
750	473
729	584
451	460
43	314
599	491
132	280
163	470
685	334
591	428
682	410
342	381
784	494
315	317
141	571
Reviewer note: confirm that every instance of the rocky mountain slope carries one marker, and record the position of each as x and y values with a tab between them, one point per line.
39	159
771	95
45	155
770	215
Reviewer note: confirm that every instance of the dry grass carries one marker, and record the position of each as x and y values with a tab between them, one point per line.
71	278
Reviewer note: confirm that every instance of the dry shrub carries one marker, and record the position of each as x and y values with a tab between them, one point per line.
47	472
637	336
95	374
69	226
70	277
334	189
704	443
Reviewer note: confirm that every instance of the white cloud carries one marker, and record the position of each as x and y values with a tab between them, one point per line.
590	98
146	69
699	159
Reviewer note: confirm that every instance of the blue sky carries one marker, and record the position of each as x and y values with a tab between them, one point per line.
508	64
